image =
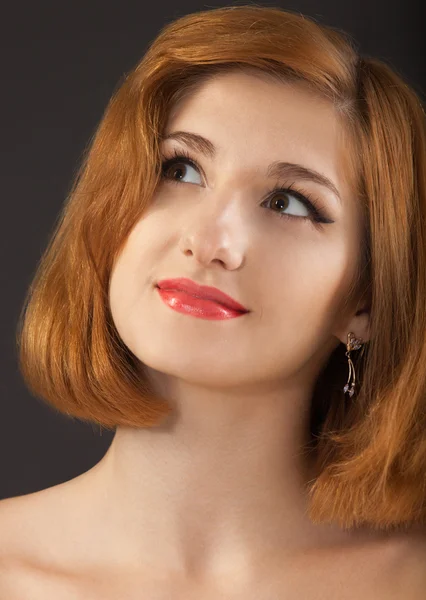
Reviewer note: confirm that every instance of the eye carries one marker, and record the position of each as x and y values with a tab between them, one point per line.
176	168
280	198
284	199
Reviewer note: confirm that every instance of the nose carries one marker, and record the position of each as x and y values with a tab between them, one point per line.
216	235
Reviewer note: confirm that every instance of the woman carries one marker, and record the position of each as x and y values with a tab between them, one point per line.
248	224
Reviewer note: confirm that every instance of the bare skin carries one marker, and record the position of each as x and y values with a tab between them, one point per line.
51	549
212	504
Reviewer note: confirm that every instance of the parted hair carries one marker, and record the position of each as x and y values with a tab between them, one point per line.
370	450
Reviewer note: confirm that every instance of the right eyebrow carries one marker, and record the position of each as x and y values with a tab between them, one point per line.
197	142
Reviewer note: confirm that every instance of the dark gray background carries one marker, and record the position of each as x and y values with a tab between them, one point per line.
60	63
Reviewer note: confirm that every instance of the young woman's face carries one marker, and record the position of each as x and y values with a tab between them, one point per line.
219	223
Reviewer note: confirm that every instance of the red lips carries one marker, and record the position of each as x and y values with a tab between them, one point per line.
200	291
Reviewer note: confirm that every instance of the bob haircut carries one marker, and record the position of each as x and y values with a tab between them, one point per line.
370	451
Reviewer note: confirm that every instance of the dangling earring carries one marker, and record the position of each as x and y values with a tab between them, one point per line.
352	344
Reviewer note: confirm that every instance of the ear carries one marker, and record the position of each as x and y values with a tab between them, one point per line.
358	324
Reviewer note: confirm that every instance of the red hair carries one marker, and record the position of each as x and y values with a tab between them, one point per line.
370	451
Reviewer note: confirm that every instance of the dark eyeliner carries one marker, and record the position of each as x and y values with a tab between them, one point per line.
317	211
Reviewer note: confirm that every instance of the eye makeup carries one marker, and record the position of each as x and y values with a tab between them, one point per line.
317	212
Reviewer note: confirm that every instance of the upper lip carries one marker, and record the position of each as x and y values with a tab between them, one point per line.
200	291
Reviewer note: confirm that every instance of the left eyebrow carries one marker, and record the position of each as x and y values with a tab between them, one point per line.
277	169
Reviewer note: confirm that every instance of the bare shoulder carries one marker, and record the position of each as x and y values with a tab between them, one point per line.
21	520
37	527
13	512
28	547
13	534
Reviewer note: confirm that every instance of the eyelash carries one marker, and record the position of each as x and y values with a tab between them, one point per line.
318	214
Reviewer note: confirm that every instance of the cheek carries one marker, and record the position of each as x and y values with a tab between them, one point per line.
304	280
297	297
122	293
133	275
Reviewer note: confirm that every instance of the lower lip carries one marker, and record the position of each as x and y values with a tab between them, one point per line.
197	307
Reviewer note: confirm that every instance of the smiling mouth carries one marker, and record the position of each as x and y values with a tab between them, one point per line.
204	308
202	292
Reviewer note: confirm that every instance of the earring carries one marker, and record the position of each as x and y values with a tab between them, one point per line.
352	344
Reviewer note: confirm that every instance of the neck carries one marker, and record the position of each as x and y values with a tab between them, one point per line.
222	482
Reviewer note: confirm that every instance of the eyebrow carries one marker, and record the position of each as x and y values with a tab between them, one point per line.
277	169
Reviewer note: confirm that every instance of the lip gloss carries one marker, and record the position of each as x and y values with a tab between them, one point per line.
197	307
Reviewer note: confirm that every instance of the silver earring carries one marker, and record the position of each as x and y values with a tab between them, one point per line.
352	344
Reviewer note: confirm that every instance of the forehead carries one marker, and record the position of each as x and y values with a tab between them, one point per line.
255	118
